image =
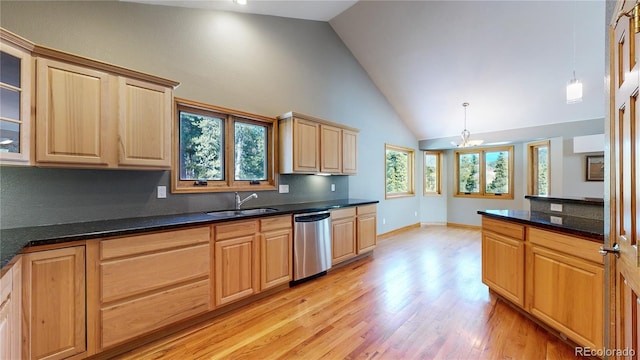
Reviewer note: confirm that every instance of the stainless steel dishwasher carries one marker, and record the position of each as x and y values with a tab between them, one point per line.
311	245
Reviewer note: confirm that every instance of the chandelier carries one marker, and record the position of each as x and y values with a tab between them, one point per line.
466	134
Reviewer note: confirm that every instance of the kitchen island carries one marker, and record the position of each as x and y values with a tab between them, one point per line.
549	267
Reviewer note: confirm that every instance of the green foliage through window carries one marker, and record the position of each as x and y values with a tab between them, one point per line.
201	147
484	172
432	176
399	171
250	152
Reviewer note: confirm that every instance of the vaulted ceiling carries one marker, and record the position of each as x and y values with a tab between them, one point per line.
510	60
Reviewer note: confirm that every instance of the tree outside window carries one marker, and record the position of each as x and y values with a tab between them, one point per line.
399	180
539	173
485	172
432	172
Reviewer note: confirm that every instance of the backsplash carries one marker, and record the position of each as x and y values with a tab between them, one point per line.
589	208
31	196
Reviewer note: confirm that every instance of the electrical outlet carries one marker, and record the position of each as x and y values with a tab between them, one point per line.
556	207
384	221
162	192
283	189
415	213
333	187
556	220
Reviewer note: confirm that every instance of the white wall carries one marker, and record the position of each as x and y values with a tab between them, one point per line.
574	178
260	64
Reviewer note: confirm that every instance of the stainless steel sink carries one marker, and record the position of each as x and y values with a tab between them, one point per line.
244	212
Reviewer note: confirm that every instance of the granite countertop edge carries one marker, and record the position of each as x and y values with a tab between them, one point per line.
14	240
590	229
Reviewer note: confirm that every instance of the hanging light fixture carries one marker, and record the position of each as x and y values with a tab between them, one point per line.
466	134
574	86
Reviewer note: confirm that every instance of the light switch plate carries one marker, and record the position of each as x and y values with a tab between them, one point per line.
283	189
556	207
333	187
162	192
556	220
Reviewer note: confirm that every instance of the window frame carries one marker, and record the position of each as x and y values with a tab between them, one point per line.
482	173
532	171
438	155
230	117
410	171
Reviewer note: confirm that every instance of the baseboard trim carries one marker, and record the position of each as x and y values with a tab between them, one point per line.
464	226
398	231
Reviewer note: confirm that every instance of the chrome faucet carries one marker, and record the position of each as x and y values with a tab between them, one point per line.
240	202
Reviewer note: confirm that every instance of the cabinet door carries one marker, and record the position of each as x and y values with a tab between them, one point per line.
73	115
15	105
343	240
366	233
503	266
276	260
144	124
236	269
330	149
349	152
10	312
568	295
306	146
54	303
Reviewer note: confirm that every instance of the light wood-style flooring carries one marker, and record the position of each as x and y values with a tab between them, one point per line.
420	296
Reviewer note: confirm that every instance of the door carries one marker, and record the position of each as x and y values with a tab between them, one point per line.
624	170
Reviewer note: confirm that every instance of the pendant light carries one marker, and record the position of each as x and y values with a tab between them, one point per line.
574	86
466	134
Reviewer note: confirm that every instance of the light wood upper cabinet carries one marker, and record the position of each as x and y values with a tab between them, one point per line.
16	68
349	152
310	145
144	133
54	303
330	149
74	114
11	312
366	228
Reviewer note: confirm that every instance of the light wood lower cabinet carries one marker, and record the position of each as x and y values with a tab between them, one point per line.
152	280
503	259
236	261
557	278
567	291
54	303
366	228
276	251
343	234
11	312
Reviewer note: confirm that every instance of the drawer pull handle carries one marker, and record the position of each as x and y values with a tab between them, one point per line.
614	250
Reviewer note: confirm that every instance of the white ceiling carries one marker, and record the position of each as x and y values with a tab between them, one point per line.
511	60
321	10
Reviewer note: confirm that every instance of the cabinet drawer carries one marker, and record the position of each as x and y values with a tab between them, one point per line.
235	229
366	209
275	223
124	321
126	277
506	228
343	213
138	244
571	245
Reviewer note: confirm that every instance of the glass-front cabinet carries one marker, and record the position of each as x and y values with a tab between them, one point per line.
15	99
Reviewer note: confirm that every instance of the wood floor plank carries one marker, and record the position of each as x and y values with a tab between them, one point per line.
419	296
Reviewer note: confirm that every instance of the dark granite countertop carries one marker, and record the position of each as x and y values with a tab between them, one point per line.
588	228
575	200
12	241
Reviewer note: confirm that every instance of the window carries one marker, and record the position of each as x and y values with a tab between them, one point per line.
485	172
399	171
432	173
222	150
539	173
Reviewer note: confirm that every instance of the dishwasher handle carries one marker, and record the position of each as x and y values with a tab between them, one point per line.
311	217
